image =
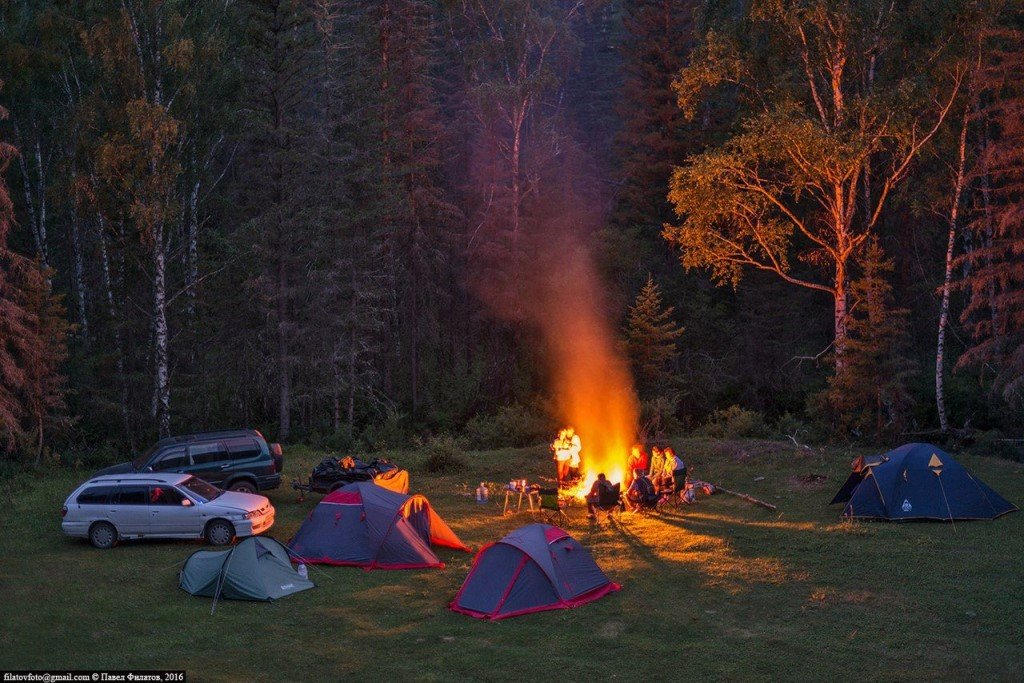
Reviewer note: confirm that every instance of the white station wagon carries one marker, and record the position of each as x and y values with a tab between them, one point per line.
114	507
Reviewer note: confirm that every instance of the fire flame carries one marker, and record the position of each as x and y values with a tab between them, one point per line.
590	377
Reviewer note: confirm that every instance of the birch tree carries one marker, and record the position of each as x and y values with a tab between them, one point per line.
784	192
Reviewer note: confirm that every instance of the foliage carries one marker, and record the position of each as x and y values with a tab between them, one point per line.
651	334
734	422
512	426
869	393
33	338
658	417
444	455
993	266
820	111
388	433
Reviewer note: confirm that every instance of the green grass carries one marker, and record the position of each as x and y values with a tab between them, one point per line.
722	590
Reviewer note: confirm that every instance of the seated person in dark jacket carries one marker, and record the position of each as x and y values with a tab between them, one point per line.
602	489
641	493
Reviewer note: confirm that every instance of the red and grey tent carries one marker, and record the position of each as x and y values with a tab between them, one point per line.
534	568
365	525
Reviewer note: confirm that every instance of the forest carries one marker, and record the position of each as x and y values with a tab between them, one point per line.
369	224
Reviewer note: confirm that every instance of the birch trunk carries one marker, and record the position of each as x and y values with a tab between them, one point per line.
161	342
78	266
947	281
192	255
108	286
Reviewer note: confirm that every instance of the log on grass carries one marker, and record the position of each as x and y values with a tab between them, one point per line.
748	498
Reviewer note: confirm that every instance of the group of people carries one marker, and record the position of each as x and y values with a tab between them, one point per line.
648	477
567	448
651	477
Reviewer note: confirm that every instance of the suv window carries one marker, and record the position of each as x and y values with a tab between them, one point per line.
94	495
130	495
204	453
243	449
172	458
164	495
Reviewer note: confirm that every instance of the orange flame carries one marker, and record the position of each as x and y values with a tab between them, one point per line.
590	378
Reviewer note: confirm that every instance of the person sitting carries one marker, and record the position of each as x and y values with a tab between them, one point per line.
641	493
636	464
600	495
657	465
675	463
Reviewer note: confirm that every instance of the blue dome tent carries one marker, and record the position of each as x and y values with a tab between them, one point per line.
918	481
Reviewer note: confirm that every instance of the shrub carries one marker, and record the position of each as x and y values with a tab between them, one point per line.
992	443
443	456
658	417
388	433
735	423
514	425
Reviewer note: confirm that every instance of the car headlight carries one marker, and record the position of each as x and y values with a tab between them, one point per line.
250	515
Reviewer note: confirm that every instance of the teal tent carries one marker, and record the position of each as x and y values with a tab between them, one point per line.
257	568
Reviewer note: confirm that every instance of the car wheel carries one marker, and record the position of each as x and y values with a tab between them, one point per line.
243	486
219	532
103	535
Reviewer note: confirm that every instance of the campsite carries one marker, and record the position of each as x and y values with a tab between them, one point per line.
512	340
723	589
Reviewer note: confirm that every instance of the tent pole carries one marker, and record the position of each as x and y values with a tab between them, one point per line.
948	509
220	583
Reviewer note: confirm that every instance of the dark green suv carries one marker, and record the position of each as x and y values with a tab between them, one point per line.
236	460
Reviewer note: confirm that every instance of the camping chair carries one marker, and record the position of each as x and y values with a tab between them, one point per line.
552	507
642	497
609	501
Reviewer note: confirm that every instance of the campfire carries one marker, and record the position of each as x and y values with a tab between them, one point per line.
578	466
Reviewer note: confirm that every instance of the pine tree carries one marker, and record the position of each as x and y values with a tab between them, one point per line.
651	336
869	393
654	135
33	337
994	264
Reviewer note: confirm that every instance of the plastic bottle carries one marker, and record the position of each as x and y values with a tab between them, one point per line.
481	493
303	572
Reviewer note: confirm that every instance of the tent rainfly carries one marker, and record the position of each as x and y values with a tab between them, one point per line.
365	525
917	481
534	568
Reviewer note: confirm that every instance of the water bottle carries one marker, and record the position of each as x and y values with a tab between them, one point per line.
303	572
481	493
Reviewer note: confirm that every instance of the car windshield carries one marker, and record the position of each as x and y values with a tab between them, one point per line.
141	461
201	489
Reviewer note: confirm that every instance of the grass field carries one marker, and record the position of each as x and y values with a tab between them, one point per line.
721	590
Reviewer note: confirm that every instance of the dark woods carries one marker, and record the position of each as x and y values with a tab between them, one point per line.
324	218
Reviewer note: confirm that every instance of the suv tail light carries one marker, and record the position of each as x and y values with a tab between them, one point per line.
64	511
273	466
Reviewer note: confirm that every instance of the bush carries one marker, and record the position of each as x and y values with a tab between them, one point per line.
388	433
993	443
443	456
514	426
658	417
735	423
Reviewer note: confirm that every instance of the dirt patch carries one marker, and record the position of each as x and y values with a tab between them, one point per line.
809	481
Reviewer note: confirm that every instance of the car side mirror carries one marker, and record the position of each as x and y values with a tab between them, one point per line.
185	502
148	468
